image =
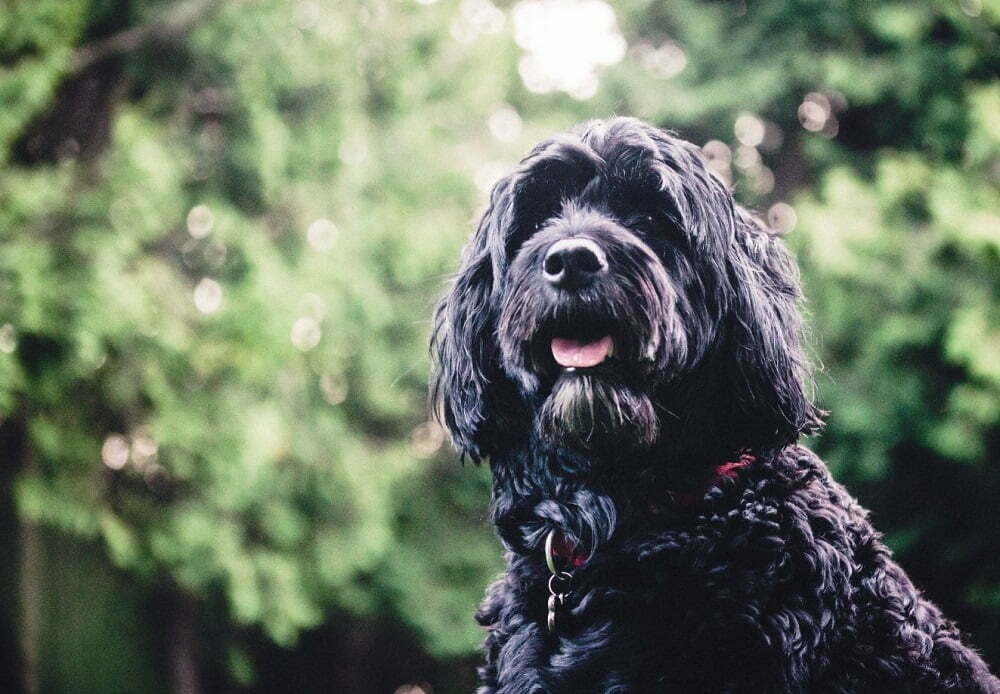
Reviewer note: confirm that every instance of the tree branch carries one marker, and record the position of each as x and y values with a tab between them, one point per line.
178	20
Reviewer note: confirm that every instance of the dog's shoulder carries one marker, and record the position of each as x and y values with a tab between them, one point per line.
797	475
794	474
790	505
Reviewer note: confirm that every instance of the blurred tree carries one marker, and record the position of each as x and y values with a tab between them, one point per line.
218	257
222	227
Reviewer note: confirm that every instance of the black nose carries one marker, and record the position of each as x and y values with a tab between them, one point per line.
573	263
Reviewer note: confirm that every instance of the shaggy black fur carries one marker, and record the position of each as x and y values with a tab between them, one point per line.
772	579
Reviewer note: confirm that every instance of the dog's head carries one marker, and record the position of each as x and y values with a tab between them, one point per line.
614	298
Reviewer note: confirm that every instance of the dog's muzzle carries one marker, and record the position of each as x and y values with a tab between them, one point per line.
574	263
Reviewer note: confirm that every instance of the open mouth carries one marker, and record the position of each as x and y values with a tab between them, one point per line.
578	354
577	342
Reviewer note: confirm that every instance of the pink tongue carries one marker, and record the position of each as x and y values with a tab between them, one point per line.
580	354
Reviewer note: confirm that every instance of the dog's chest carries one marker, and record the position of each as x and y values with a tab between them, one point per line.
725	598
667	612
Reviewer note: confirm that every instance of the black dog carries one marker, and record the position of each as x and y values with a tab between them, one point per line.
623	343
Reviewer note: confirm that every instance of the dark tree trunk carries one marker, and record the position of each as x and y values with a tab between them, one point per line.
20	622
183	645
32	571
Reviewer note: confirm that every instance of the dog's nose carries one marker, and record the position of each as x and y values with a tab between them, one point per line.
573	263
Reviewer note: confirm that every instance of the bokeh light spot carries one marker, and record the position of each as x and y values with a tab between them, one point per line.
814	111
781	217
114	451
749	130
353	151
773	137
973	8
200	221
8	338
321	234
565	43
717	151
667	61
505	124
333	387
482	16
306	333
760	179
208	296
426	439
719	158
746	157
144	449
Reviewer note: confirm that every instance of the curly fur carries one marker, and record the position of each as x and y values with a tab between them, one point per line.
773	580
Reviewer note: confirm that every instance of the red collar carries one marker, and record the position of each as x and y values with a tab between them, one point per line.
731	467
727	470
564	553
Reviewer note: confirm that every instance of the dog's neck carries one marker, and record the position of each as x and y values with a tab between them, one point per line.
588	500
573	556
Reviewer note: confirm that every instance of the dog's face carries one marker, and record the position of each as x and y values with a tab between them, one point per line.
614	299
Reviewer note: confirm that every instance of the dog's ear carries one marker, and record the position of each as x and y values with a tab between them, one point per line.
471	396
771	372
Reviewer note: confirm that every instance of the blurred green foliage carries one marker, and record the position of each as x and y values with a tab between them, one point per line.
223	226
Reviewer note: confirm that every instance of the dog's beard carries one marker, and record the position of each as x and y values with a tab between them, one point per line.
587	412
